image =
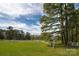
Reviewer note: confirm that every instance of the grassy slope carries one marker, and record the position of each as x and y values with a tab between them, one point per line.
32	48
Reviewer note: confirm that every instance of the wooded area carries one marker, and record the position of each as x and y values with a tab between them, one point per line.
61	19
13	34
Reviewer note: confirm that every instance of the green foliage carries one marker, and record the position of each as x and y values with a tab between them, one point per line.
66	15
1	34
45	36
13	34
28	36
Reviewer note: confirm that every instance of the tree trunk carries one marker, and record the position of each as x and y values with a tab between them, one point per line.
62	25
66	26
76	33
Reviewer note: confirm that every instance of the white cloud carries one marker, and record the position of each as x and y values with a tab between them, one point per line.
18	9
33	29
10	9
14	10
16	25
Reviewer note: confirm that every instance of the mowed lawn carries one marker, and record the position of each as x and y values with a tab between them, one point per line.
33	48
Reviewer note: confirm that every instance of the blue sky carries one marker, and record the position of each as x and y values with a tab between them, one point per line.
23	16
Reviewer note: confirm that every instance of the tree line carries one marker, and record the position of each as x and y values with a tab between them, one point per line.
61	19
13	34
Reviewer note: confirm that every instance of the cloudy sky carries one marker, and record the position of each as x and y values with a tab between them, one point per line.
21	16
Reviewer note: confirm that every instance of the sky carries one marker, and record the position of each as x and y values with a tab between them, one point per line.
22	16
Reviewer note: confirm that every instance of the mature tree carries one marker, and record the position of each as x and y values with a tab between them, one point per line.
10	28
20	35
65	15
28	36
14	34
1	34
9	32
46	36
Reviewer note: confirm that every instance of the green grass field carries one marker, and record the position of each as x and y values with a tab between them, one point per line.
33	48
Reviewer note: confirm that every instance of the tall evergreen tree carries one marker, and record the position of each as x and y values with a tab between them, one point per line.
64	14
